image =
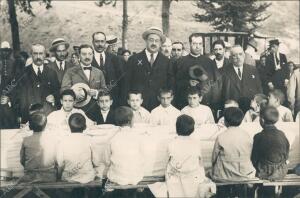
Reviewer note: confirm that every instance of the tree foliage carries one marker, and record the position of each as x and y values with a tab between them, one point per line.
25	5
237	16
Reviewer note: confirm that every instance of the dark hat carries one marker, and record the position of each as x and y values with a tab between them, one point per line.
56	42
274	42
198	73
76	47
111	39
253	43
154	30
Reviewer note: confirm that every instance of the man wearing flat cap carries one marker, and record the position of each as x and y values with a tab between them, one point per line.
149	70
59	47
111	66
112	42
275	62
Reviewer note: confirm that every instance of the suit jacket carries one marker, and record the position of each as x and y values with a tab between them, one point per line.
270	65
141	76
76	75
113	71
98	117
241	90
226	63
59	73
31	90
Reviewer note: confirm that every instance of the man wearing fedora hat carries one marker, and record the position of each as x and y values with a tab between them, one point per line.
111	66
59	47
149	70
275	62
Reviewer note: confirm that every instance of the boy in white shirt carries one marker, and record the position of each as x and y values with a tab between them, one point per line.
165	113
140	114
202	114
276	98
60	117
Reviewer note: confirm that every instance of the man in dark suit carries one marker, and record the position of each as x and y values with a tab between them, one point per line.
38	84
183	80
275	62
111	66
59	47
241	81
149	70
219	51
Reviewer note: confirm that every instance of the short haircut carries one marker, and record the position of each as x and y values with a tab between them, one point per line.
233	116
236	46
185	125
104	93
124	51
37	107
85	46
165	90
123	116
194	35
218	42
38	45
260	99
93	35
37	121
278	94
269	114
74	53
77	123
68	92
134	92
231	103
193	91
178	42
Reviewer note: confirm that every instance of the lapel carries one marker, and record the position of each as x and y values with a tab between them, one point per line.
145	60
234	77
109	116
245	75
82	75
93	75
95	63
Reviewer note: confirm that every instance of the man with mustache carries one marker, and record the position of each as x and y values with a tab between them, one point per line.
38	84
149	70
85	73
219	51
111	66
60	49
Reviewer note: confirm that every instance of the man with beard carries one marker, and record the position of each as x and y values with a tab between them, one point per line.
166	48
86	74
38	84
111	66
59	47
149	70
219	51
183	80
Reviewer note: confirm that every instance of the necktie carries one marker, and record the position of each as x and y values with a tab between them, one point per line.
87	68
60	65
39	73
239	73
101	61
152	59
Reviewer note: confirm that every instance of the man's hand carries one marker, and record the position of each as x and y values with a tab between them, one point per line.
50	99
4	100
193	83
93	92
271	86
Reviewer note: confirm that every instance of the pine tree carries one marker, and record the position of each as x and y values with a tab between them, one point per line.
236	16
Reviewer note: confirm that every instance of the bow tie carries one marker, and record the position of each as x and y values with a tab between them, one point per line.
87	68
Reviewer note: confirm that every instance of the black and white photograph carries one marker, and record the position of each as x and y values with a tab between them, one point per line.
149	99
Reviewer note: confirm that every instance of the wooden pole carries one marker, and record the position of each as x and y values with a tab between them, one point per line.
14	26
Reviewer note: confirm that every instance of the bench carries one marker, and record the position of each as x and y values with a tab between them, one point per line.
37	188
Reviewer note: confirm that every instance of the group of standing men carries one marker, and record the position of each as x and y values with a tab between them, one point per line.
147	71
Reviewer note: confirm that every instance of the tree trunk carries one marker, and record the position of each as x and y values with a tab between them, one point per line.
14	26
165	16
124	24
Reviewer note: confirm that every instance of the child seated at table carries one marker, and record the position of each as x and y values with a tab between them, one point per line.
104	114
232	150
60	118
37	153
140	114
270	147
228	103
74	154
276	99
202	114
165	113
185	175
258	102
124	154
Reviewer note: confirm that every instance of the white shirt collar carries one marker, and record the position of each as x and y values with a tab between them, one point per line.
58	64
148	54
219	63
104	114
97	56
35	68
196	56
236	70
